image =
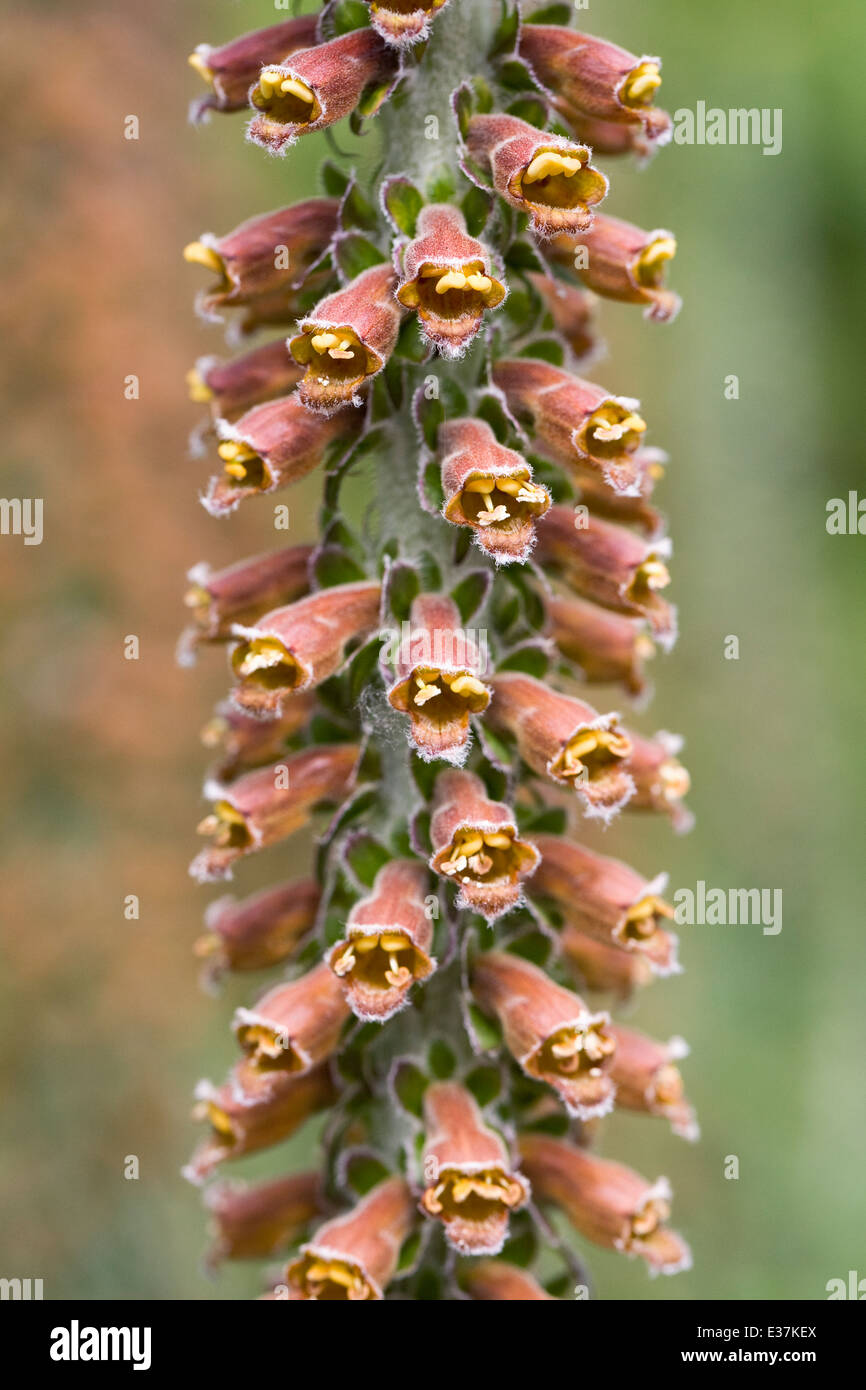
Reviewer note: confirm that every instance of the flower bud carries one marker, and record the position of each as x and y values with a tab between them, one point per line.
476	845
347	339
231	69
607	900
264	255
648	1079
623	263
353	1257
596	78
270	447
566	740
470	1185
608	1203
403	23
315	88
660	779
490	489
550	178
256	1221
604	968
258	931
607	647
387	942
254	1110
246	742
438	666
297	647
294	1026
267	805
447	280
497	1281
612	566
575	423
571	309
217	599
230	388
549	1031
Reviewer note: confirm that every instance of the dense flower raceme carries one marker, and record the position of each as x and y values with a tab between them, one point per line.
438	685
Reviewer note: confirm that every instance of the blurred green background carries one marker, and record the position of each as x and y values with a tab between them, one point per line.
105	1030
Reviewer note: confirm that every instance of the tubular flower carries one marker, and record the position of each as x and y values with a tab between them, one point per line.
240	593
258	931
476	845
353	1257
607	1202
264	256
270	447
265	806
347	340
379	696
403	23
576	424
499	1282
447	280
550	178
230	388
596	78
387	942
624	263
612	566
438	665
549	1031
297	647
470	1185
607	647
231	69
648	1079
296	1026
253	1111
607	900
315	88
566	740
254	1221
490	489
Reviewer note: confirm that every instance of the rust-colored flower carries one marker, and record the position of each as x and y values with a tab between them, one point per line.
549	1031
272	446
476	845
244	742
294	1026
264	255
231	69
648	1079
611	565
259	931
576	424
660	779
499	1282
608	900
315	88
631	509
267	805
601	967
596	78
469	1182
240	593
608	1203
403	23
232	387
572	310
607	647
550	178
439	667
254	1110
490	489
622	262
297	647
447	279
252	1221
347	339
387	942
353	1257
566	740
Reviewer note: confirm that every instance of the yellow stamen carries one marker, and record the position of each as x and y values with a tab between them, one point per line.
549	163
197	62
462	685
451	280
640	84
323	341
196	253
198	389
292	86
481	283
